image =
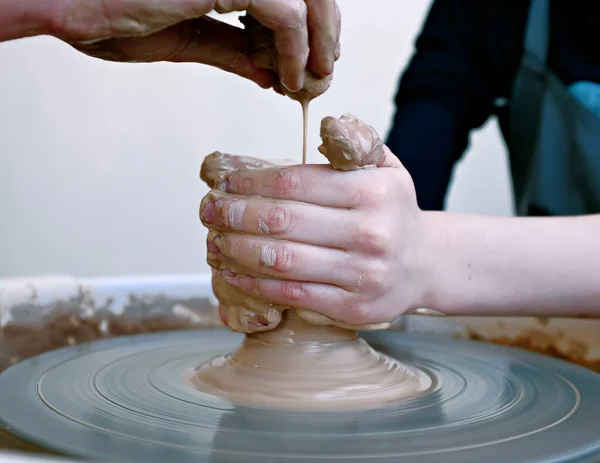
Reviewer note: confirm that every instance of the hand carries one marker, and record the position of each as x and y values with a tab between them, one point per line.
306	32
349	245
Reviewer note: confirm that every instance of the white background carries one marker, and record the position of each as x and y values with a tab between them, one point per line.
99	161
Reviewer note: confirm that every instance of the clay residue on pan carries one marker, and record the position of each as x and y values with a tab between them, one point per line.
78	320
14	443
543	342
348	144
302	366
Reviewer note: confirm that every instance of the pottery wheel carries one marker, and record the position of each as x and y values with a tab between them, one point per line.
126	399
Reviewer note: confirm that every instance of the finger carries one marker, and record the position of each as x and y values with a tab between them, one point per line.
323	33
337	51
314	184
216	164
204	40
350	144
241	312
288	21
350	230
284	220
332	301
223	46
268	258
159	46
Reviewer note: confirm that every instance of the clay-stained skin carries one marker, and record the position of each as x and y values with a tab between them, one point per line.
260	42
216	164
348	144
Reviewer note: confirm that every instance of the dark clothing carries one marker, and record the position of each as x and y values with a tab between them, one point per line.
467	56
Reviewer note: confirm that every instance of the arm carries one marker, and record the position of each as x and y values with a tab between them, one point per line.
514	266
19	19
304	33
466	56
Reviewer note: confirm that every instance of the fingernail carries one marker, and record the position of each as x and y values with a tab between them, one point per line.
230	277
223	185
228	274
208	212
248	283
290	84
212	246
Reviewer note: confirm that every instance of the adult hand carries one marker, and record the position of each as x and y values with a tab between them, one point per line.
306	32
349	245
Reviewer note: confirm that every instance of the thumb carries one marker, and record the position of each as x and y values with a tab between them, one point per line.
217	164
226	47
203	40
350	144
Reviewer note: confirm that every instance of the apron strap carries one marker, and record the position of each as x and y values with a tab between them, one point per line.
529	90
537	34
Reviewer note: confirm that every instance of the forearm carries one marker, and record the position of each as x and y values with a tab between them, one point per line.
23	18
514	266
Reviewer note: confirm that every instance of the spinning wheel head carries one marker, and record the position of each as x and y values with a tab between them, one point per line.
127	399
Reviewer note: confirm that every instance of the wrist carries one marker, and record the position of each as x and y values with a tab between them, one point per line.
434	251
461	274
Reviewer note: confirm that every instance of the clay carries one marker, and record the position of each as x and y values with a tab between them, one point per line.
350	144
305	105
302	366
66	328
542	342
217	164
260	43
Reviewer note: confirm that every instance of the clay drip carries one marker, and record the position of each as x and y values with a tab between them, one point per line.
305	105
302	366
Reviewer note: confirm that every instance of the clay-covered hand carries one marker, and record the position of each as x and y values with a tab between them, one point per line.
350	246
305	32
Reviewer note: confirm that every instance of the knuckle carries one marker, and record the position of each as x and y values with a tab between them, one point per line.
276	257
374	195
291	290
374	239
286	185
284	259
297	14
376	277
274	219
358	312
